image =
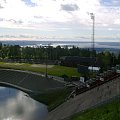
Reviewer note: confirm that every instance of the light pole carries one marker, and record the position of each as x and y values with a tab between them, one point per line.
93	36
93	31
46	67
46	60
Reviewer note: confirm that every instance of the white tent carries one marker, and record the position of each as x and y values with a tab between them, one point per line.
93	68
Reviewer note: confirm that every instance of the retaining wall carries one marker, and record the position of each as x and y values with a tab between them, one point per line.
86	100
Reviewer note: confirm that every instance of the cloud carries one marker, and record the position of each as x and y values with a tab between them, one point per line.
2	3
29	3
1	19
117	21
69	7
109	3
54	15
1	6
15	21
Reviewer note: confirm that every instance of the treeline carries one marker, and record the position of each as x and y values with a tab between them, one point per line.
41	54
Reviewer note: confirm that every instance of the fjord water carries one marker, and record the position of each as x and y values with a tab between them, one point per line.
55	42
16	105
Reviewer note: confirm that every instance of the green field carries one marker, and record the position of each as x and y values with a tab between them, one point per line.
55	70
110	111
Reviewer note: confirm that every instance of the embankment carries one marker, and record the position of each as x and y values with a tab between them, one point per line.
91	98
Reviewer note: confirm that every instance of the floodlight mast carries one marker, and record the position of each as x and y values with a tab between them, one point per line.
46	60
93	35
93	31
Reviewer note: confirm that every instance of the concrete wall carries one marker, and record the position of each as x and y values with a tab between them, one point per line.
86	100
28	81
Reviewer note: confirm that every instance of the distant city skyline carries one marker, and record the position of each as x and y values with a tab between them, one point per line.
59	19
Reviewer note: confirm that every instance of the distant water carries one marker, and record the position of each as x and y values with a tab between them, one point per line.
114	45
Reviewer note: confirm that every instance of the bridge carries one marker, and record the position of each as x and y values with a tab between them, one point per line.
28	82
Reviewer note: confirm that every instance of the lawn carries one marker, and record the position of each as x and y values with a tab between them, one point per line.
109	111
55	70
51	98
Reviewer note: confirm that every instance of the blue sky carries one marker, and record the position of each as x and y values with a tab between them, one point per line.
59	19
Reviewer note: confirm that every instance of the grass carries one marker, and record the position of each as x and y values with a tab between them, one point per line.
109	111
55	70
53	99
61	70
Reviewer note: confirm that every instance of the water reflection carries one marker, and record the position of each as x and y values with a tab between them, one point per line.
15	105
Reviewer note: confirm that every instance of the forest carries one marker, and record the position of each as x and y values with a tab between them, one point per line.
16	53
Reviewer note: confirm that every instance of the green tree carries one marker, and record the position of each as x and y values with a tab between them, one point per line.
0	45
105	58
14	52
4	52
118	59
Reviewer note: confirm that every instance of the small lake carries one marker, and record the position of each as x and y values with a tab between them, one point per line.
17	105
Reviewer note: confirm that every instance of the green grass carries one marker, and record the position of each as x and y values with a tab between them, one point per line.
53	99
110	111
55	70
61	70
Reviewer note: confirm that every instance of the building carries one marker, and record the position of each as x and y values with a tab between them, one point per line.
74	61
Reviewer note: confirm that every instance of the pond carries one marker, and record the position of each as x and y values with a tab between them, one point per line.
17	105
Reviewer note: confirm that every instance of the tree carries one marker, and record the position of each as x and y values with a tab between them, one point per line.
14	52
106	58
0	45
113	59
0	49
4	52
118	59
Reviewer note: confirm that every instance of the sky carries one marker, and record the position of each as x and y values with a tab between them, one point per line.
59	19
